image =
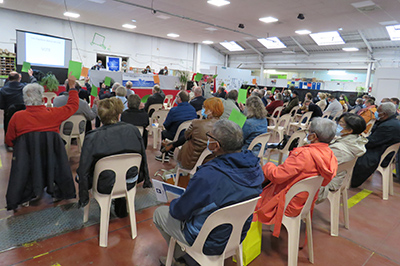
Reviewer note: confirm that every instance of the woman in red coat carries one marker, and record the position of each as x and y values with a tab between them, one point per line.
310	160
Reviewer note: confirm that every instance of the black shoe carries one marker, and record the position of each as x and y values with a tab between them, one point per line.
159	158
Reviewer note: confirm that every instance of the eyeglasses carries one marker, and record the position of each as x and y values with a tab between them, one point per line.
211	137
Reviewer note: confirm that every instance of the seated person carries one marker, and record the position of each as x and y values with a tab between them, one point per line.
334	106
176	116
120	93
38	117
368	112
348	146
221	92
311	107
303	162
129	91
163	71
112	138
136	116
256	123
384	134
231	177
293	103
230	104
98	65
322	100
84	93
195	140
358	105
278	101
156	97
84	109
198	99
147	70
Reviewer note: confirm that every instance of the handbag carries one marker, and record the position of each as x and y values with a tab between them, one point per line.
251	245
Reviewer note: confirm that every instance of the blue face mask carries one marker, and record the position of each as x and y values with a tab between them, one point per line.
291	95
99	64
203	113
377	115
364	106
339	130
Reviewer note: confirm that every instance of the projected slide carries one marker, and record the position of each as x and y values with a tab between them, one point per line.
44	50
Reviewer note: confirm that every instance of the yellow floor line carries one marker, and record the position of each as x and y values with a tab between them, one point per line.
35	257
271	160
358	197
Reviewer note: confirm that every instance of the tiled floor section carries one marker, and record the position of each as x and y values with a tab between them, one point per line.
373	238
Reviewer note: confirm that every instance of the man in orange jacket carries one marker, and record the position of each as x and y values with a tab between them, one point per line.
303	162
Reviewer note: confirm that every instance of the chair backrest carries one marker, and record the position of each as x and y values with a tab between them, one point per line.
49	96
75	120
159	115
119	164
337	115
283	121
326	114
263	140
353	111
310	185
300	134
348	167
294	110
306	116
155	107
277	112
185	125
199	114
393	148
200	161
236	215
168	101
141	129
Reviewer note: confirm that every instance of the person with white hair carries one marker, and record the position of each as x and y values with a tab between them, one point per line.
314	159
384	134
38	117
198	100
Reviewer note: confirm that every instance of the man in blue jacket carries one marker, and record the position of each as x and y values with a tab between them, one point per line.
231	177
176	116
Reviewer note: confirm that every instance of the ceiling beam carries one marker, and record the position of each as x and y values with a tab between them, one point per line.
255	50
301	47
365	41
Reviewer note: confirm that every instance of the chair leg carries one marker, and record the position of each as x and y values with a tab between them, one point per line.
293	229
177	176
391	167
385	183
155	137
86	212
309	238
171	249
335	207
280	158
105	205
239	255
130	198
345	209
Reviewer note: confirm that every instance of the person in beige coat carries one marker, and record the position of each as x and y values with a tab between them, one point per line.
348	146
322	101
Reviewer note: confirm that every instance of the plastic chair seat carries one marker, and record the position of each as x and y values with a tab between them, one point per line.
263	140
159	116
236	215
292	224
183	126
301	135
76	121
119	164
192	171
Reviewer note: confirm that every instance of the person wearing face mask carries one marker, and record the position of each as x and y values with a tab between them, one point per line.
98	65
384	134
294	102
274	104
368	112
306	161
147	70
231	177
334	106
322	101
348	146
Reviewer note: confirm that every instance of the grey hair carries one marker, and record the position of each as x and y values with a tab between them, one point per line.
197	90
115	86
229	135
279	97
120	91
32	94
255	108
388	108
324	128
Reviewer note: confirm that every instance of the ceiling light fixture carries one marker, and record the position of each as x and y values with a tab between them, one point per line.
302	32
129	26
268	19
327	38
98	1
232	46
350	49
133	20
1	1
173	35
394	32
336	72
208	42
71	15
272	43
218	2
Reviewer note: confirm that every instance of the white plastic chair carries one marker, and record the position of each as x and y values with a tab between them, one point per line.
338	114
386	172
76	120
141	129
280	128
292	224
155	107
306	117
334	198
293	113
236	215
300	135
326	114
49	96
276	114
185	125
263	140
199	114
119	164
192	171
159	116
168	101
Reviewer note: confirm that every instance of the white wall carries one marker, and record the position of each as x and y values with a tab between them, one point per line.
386	83
142	50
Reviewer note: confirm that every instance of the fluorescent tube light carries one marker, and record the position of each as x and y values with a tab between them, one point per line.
208	42
129	26
302	32
71	15
173	35
268	19
350	49
394	32
218	2
272	43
